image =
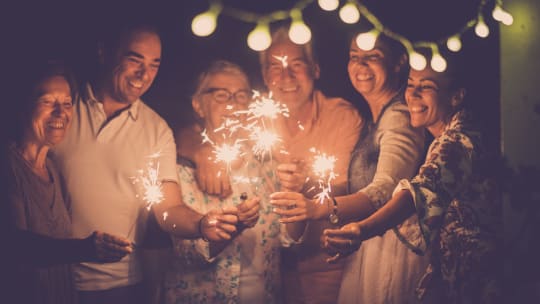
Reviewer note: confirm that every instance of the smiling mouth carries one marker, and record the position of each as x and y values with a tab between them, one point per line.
417	109
364	77
56	125
136	84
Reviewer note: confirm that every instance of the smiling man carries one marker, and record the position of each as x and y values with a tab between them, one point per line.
114	134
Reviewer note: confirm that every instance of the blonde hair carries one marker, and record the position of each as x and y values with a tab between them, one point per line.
216	67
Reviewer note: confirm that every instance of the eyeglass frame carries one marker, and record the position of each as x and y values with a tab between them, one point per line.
229	95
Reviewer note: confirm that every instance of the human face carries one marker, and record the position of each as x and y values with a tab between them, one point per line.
135	67
52	111
372	73
214	111
430	99
290	81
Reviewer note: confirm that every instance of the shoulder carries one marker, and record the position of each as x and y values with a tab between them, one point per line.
397	114
150	117
337	107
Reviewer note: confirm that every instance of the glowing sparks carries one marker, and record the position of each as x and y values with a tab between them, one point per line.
323	168
263	140
265	107
282	59
148	179
165	215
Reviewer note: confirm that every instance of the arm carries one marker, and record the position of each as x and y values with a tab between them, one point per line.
209	175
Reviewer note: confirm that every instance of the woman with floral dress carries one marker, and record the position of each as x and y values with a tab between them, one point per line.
457	211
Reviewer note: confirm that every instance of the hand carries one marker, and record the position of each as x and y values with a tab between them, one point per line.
343	241
292	175
219	225
211	177
109	248
295	207
248	212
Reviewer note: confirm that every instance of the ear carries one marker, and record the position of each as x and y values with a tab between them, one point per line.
457	98
197	107
316	71
400	63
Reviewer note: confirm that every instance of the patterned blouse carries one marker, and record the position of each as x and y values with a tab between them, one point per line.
458	212
247	270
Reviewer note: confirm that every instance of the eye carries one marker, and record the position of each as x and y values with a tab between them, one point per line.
354	58
373	58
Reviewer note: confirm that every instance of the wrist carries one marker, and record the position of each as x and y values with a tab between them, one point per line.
333	211
200	227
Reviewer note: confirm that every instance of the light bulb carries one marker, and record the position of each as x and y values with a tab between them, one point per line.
349	13
498	13
507	19
481	29
366	41
438	63
204	24
417	61
454	44
299	32
259	39
328	5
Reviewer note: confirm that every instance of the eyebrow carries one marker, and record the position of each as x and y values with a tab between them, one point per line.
135	54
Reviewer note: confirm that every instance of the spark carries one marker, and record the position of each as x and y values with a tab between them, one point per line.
263	140
165	215
282	59
148	179
323	168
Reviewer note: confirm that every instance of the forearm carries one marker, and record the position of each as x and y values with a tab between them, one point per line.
354	207
398	209
179	220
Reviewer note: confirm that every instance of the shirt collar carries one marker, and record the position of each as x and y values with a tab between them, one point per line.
132	110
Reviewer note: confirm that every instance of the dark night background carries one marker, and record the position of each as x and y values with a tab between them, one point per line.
68	30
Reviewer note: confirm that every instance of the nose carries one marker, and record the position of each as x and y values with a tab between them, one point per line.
286	73
142	72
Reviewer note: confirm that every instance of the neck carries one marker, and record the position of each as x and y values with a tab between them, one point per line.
302	114
111	105
36	156
377	103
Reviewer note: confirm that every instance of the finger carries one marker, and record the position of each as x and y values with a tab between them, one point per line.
225	188
335	258
229	228
229	210
121	241
289	212
292	219
285	195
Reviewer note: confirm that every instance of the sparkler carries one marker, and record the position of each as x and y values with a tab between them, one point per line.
323	168
149	180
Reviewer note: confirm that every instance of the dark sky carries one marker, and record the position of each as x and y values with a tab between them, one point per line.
48	30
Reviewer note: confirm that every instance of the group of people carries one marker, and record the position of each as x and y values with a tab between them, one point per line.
401	224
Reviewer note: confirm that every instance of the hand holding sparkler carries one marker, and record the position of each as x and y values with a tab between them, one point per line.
343	241
292	175
295	207
248	211
210	176
219	225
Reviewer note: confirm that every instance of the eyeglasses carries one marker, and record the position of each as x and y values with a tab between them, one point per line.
222	95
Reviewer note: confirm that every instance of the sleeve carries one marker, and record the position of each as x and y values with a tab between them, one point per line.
345	135
448	168
166	153
401	148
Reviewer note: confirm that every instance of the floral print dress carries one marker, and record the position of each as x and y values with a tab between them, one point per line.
195	277
458	212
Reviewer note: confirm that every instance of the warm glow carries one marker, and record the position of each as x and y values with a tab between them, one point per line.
299	32
454	43
481	29
328	5
438	63
498	13
507	19
259	39
204	24
366	41
417	61
349	13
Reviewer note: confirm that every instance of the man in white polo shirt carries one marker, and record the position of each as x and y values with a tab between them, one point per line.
113	135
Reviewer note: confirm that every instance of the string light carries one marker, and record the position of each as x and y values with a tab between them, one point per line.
481	29
205	23
299	32
438	63
349	13
454	43
328	5
259	39
366	41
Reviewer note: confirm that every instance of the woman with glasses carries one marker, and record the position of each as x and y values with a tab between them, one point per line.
245	268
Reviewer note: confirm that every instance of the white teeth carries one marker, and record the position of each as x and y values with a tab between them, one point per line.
137	84
291	89
56	125
364	77
417	109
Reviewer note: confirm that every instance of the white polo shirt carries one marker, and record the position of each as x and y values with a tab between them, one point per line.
98	160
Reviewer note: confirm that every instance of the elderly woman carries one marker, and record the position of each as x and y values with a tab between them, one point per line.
389	149
39	223
244	269
451	196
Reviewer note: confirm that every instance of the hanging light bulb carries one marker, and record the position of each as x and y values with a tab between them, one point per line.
438	63
454	43
299	32
328	5
204	24
481	29
507	19
498	13
417	61
259	39
366	41
349	13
